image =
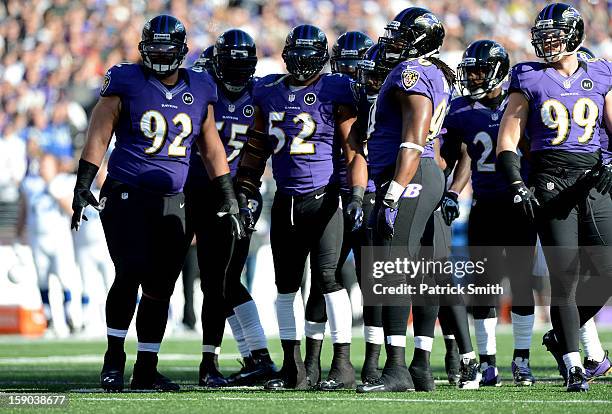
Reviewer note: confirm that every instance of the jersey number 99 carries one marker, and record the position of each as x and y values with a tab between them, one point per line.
556	116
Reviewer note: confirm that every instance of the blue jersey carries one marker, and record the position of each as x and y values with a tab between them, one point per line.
233	119
414	76
565	113
477	125
157	125
302	123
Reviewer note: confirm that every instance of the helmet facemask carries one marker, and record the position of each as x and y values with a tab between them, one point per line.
304	62
477	79
162	58
235	70
551	43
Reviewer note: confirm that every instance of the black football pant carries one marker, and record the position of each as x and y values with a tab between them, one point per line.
145	233
452	314
215	248
574	215
496	226
351	241
302	225
413	214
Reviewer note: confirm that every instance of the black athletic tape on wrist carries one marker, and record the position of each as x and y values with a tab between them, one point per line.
509	163
357	193
86	174
225	186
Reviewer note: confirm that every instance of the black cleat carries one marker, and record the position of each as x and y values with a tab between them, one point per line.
111	377
577	380
293	374
209	376
312	361
253	372
395	379
341	377
550	342
370	370
342	374
422	378
287	382
313	371
470	375
152	381
452	365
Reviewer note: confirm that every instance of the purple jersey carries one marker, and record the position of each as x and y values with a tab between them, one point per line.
233	119
157	126
606	145
364	105
414	76
477	125
302	122
564	113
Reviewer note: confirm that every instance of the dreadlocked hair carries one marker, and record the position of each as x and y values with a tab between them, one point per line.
449	74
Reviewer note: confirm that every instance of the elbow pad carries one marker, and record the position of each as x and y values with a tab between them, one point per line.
252	164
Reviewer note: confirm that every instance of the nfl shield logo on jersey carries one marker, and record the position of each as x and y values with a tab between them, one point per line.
550	186
291	97
231	107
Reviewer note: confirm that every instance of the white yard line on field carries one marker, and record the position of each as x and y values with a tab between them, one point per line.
348	399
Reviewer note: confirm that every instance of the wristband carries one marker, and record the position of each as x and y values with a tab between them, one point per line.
509	163
86	174
395	191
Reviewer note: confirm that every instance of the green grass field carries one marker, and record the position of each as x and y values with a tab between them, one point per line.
72	367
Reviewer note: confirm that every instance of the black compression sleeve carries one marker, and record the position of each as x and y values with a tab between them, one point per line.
509	163
86	174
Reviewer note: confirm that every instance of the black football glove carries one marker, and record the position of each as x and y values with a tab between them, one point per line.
450	207
246	214
523	196
229	206
386	219
354	208
601	177
83	196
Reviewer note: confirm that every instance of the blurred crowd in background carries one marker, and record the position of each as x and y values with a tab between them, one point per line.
54	53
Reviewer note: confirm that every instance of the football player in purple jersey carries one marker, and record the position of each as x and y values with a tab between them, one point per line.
156	111
302	118
406	118
221	258
471	128
561	105
205	60
347	55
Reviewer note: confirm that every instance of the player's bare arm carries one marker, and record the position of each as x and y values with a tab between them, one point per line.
417	112
513	123
211	147
352	147
104	118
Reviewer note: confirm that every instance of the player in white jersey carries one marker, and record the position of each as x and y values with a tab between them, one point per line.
48	197
95	264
